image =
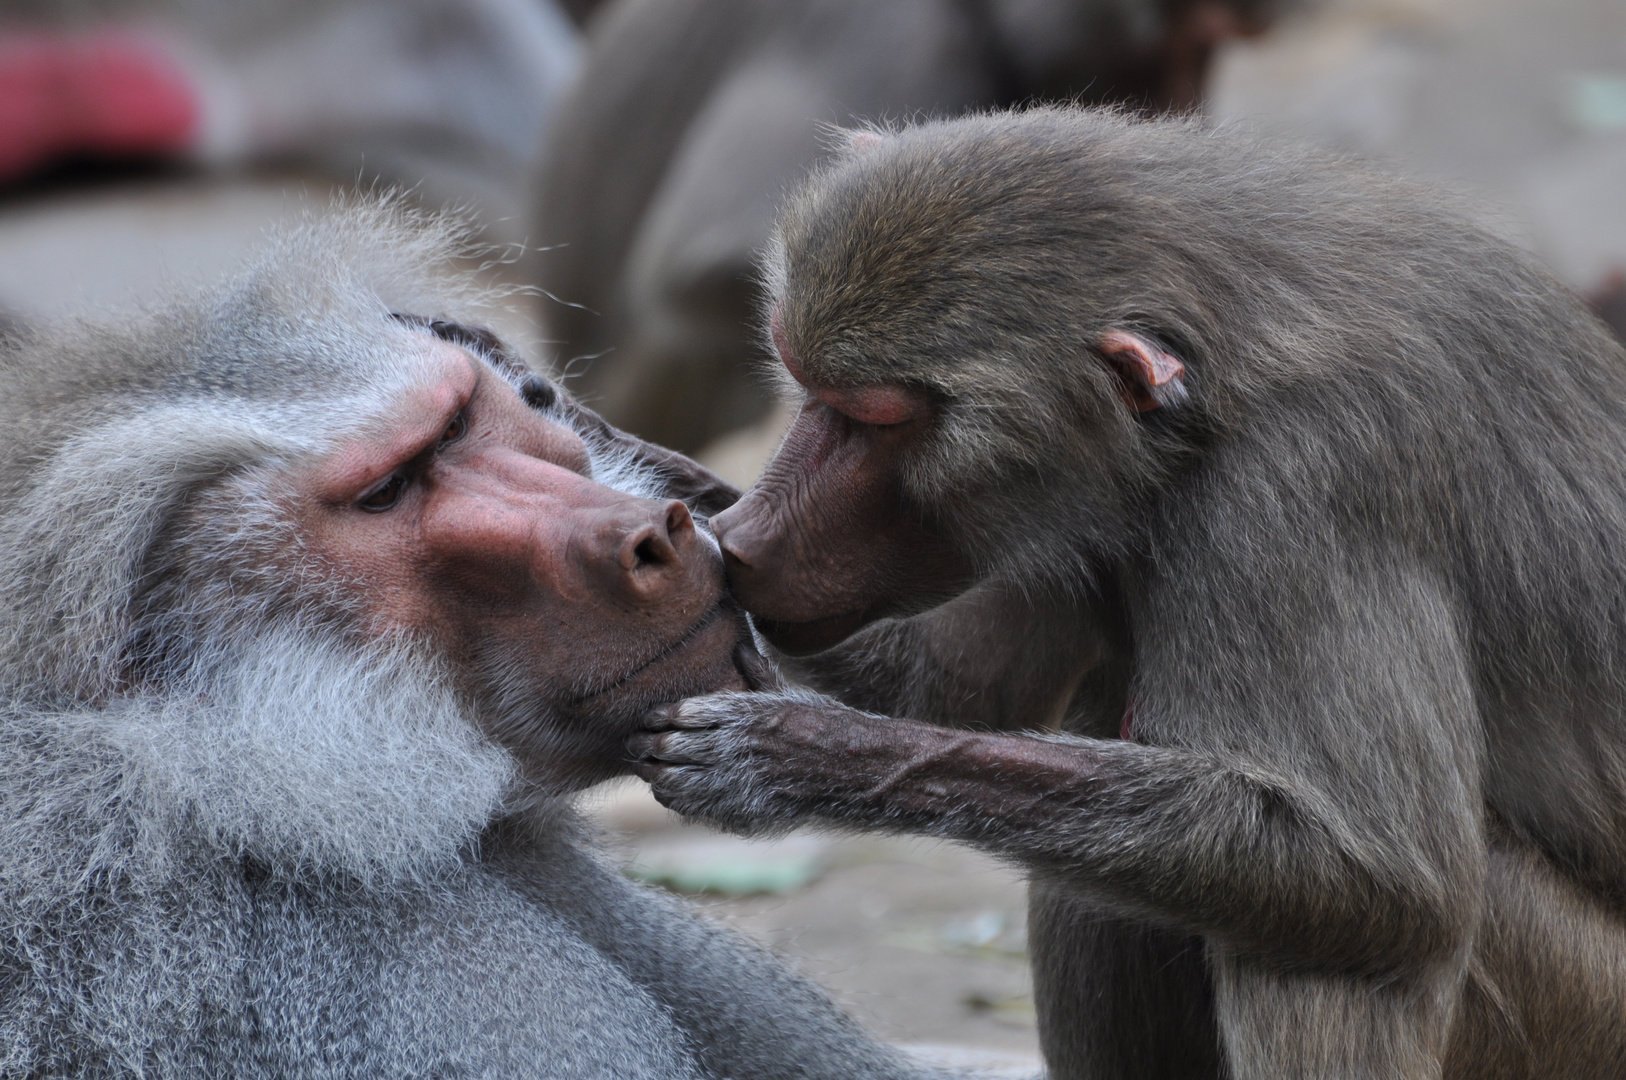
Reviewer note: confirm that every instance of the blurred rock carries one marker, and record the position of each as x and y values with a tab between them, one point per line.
993	1065
448	97
1520	103
729	865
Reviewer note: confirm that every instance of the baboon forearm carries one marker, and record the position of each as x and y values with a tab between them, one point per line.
1173	835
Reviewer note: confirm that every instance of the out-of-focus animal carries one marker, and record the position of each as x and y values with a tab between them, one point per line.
448	97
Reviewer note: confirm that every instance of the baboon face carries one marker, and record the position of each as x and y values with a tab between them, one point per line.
827	541
830	538
958	364
467	518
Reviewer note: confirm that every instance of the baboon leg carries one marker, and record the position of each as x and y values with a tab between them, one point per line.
1328	1026
1118	999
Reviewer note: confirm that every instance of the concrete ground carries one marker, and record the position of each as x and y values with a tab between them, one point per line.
1521	102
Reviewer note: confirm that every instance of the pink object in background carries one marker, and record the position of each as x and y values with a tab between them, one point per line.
101	95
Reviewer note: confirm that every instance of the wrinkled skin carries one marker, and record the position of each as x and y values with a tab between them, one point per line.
470	518
851	551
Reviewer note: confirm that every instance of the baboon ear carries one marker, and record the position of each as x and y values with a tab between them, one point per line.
1151	378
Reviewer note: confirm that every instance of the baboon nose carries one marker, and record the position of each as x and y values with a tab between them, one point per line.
739	559
751	548
732	540
651	554
655	544
733	562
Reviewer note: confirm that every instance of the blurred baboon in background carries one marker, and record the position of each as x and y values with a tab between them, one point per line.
580	11
693	117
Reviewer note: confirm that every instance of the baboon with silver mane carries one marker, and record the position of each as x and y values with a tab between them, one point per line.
318	603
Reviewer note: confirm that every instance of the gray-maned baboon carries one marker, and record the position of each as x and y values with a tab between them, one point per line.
692	118
314	611
1307	495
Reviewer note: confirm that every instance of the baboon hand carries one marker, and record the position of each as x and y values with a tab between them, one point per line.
760	762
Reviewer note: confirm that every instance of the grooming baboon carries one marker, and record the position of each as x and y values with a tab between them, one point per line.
1330	481
314	613
692	117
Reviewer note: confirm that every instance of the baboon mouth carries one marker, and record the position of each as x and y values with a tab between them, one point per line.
682	641
815	635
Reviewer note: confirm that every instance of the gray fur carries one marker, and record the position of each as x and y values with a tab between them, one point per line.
238	837
1363	590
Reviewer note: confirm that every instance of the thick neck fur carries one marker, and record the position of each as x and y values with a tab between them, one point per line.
161	638
310	757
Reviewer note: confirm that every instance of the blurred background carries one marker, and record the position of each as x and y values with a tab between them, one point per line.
625	158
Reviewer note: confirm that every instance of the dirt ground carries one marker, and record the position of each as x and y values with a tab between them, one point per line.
922	941
1523	104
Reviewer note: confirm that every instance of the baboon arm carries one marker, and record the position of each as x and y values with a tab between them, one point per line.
1199	841
1339	828
992	658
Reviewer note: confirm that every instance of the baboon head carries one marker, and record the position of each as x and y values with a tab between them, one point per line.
315	509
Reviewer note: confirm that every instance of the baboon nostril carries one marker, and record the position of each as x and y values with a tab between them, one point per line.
656	542
538	393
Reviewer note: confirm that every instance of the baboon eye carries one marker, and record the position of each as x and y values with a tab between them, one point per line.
454	430
384	496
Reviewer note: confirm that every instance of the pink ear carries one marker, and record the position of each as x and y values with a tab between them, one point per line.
1152	378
